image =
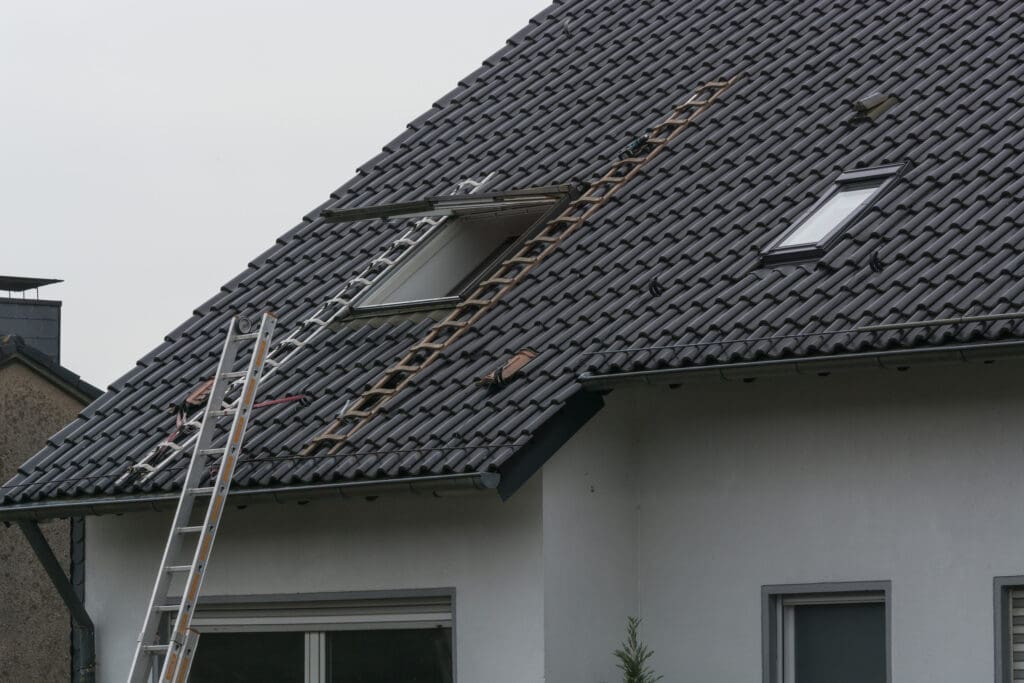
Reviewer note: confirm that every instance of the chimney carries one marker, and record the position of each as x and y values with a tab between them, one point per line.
35	320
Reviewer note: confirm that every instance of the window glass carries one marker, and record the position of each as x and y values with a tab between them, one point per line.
456	257
839	643
829	215
249	658
387	656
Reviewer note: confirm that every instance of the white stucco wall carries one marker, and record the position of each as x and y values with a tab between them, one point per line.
489	551
589	554
676	505
916	478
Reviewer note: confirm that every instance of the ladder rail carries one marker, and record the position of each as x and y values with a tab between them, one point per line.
211	523
147	649
311	328
514	268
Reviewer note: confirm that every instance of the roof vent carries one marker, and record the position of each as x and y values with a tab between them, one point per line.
499	377
870	107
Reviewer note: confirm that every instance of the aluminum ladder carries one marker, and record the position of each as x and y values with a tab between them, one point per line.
189	546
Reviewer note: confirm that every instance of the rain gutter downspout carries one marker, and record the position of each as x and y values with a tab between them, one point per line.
84	633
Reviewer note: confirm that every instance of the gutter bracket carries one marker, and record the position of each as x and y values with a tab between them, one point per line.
84	634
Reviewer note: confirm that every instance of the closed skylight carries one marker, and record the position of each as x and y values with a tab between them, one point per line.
830	215
837	210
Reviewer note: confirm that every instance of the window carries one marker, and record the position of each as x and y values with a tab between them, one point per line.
1009	628
361	638
814	232
826	633
451	262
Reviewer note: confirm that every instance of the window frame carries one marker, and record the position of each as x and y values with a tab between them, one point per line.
776	253
315	631
1002	586
775	599
474	276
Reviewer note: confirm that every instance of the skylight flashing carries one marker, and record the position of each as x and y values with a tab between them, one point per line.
820	226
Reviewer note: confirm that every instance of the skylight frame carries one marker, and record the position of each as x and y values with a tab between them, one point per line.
544	204
877	178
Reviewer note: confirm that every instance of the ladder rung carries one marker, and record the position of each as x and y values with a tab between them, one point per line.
221	413
163	647
202	490
178	568
233	375
211	451
247	337
166	608
190	529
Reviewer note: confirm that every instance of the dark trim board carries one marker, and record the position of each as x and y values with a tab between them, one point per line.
770	594
1001	587
546	441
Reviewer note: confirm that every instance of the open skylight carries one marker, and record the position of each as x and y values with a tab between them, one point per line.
452	261
826	220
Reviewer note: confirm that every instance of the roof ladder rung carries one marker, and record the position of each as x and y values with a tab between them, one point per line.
202	490
178	568
249	336
190	529
210	451
221	413
234	375
166	608
162	647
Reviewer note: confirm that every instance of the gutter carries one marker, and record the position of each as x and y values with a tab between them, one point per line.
84	632
986	352
433	485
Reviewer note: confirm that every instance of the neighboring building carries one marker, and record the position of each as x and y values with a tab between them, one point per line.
765	397
37	397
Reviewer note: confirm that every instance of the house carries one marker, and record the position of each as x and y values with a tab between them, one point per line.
37	397
764	394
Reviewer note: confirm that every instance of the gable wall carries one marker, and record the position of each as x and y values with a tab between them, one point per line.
32	617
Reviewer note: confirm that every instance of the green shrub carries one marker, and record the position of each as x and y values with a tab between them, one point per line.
634	655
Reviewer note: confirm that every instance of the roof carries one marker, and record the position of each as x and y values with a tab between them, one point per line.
14	348
672	260
14	283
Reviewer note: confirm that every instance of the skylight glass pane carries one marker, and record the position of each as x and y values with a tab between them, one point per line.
838	208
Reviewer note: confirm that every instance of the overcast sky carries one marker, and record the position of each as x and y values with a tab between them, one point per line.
149	150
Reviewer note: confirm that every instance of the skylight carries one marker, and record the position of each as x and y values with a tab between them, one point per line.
452	261
826	220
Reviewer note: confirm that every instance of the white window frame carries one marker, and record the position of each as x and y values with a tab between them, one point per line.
317	614
379	298
778	624
878	178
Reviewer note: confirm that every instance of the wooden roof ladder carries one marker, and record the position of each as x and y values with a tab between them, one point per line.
357	413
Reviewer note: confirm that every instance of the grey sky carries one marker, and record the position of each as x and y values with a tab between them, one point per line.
149	150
